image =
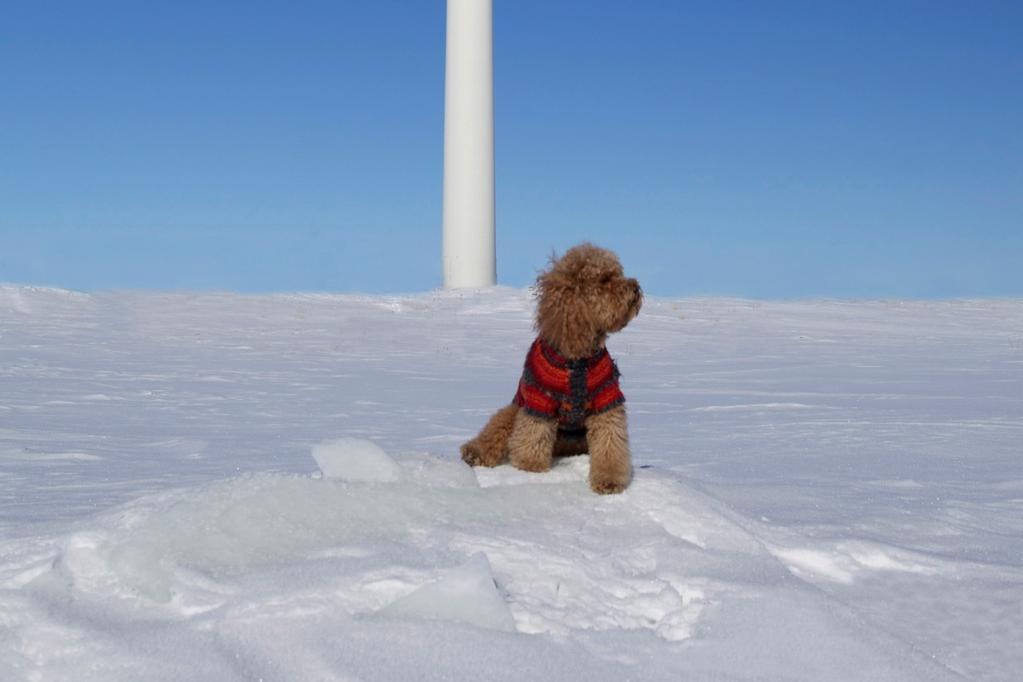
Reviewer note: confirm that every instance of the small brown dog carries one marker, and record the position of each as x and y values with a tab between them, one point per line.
568	401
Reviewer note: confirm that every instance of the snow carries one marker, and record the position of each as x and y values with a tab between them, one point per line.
465	594
355	459
267	487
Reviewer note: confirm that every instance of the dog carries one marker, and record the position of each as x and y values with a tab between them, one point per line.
568	400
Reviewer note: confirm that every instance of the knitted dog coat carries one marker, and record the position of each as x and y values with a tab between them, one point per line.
568	391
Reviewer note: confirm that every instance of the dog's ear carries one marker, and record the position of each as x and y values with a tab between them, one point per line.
563	317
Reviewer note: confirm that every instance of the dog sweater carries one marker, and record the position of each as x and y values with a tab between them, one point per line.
568	391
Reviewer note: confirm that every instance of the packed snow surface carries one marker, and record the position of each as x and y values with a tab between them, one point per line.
224	487
464	594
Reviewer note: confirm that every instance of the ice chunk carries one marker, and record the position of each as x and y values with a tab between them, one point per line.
465	594
429	470
355	459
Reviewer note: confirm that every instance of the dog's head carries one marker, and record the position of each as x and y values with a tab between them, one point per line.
582	297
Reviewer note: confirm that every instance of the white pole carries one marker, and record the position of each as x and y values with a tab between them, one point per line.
469	234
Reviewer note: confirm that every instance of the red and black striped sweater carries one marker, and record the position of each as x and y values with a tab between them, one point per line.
568	391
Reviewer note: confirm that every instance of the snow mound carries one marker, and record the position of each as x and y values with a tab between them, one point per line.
355	459
465	594
376	548
289	570
28	300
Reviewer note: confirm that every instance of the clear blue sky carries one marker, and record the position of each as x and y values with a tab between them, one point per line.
782	149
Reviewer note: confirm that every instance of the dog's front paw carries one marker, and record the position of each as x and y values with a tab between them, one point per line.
474	455
608	486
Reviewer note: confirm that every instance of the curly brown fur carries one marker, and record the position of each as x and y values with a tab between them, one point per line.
490	447
531	445
581	298
610	465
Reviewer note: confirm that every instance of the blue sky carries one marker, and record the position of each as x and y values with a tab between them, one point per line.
784	149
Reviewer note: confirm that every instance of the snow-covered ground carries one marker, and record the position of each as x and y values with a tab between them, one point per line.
224	487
